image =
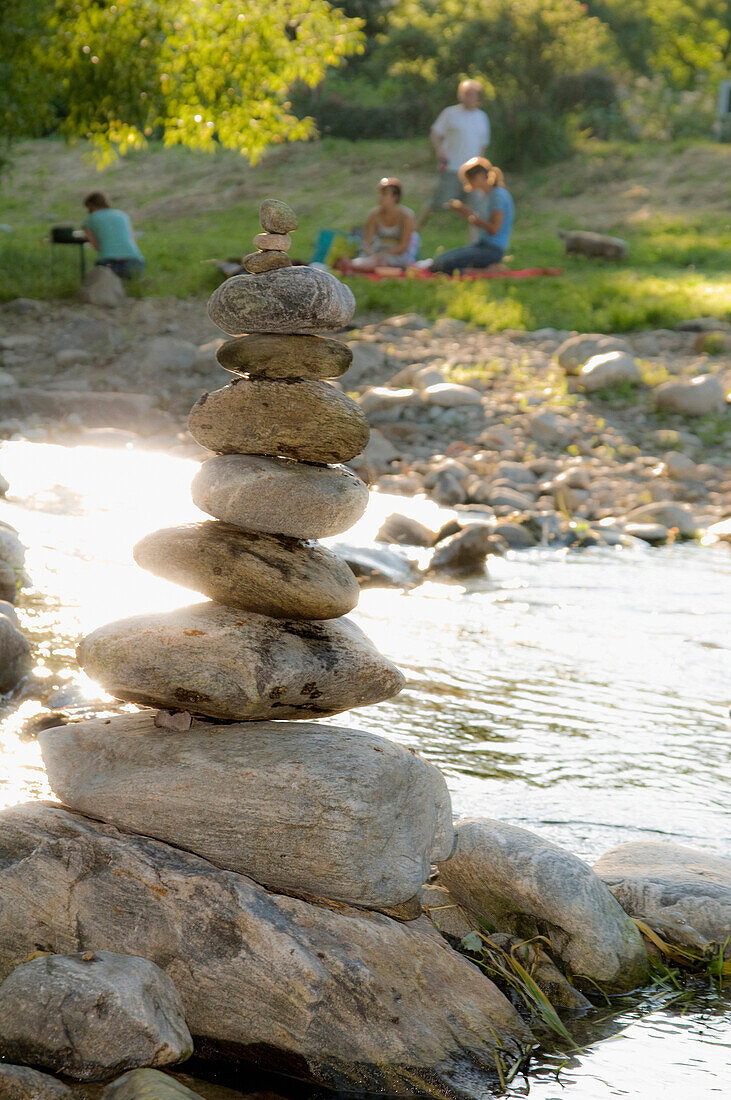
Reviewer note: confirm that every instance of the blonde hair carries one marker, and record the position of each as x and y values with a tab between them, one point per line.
494	174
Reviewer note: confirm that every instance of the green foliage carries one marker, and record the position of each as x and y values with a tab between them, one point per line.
24	108
198	73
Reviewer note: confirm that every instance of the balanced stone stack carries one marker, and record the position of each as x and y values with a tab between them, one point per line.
259	861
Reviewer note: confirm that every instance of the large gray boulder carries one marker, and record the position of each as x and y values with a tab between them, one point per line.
292	299
268	574
611	368
348	998
15	658
697	397
280	497
517	882
271	356
147	1084
22	1083
307	421
91	1015
578	350
304	808
683	894
224	663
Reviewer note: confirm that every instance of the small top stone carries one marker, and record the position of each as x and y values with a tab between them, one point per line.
277	217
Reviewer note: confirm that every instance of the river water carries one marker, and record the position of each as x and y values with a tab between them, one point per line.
581	694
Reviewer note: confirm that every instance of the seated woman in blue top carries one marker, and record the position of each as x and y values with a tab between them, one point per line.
492	213
110	233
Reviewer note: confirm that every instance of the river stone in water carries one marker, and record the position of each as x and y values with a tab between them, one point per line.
682	894
349	998
303	808
276	216
518	882
22	1083
267	574
223	663
293	299
307	421
270	356
279	497
149	1084
92	1015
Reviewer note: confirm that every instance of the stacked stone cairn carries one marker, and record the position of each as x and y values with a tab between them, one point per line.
270	864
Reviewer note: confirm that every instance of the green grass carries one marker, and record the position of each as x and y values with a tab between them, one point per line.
671	203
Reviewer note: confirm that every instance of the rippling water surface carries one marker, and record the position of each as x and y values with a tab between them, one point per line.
581	694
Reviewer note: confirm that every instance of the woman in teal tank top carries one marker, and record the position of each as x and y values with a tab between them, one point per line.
110	233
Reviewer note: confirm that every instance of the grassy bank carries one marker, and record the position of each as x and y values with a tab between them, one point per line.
670	202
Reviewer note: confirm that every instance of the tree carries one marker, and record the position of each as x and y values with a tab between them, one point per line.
193	72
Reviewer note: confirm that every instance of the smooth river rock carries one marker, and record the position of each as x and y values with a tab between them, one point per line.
696	397
276	216
267	355
279	497
273	242
258	262
682	894
518	882
293	299
268	574
224	663
347	998
149	1084
22	1083
92	1015
306	421
314	810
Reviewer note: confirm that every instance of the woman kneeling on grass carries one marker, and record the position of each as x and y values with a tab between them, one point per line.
494	219
110	233
390	238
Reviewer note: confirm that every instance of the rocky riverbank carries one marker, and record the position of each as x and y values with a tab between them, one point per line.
528	431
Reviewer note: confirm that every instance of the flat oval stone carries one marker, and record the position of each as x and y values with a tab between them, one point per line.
267	574
293	299
276	216
273	242
257	262
308	421
224	663
271	356
280	497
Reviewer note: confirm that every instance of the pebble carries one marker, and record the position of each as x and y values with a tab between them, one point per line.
280	497
277	217
271	356
273	242
307	421
266	574
258	262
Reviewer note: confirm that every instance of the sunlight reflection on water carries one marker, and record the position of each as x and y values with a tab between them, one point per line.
582	694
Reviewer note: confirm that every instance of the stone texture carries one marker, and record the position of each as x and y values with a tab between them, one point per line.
258	262
101	287
15	658
307	421
273	242
578	350
682	894
450	395
463	554
267	355
585	243
302	808
350	999
223	663
280	497
698	397
91	1015
522	884
147	1084
22	1083
405	531
669	514
552	430
611	368
267	574
293	299
277	217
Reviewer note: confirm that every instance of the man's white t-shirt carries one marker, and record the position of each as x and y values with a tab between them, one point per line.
464	134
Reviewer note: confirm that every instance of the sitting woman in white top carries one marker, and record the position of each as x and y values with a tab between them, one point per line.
109	231
493	219
389	238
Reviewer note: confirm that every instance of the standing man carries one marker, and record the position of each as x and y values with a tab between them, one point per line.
461	132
